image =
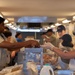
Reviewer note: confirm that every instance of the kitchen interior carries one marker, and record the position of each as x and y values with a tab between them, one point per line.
31	18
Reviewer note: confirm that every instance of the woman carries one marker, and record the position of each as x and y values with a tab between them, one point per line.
66	45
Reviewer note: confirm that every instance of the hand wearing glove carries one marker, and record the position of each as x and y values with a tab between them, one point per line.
48	46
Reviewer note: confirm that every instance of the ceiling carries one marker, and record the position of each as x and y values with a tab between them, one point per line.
13	9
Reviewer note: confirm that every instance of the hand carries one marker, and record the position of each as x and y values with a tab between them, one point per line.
48	46
13	54
35	44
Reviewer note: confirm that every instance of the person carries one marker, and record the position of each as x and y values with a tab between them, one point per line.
5	45
51	37
18	37
8	36
65	45
61	30
58	51
44	37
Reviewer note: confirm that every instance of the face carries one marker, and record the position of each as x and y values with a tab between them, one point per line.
49	33
61	33
20	36
1	27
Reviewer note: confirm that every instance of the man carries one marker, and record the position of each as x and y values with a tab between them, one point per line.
51	37
5	46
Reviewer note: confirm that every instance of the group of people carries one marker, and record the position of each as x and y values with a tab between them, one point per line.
64	44
62	47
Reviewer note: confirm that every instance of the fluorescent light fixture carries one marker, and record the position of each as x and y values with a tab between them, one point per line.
66	21
29	30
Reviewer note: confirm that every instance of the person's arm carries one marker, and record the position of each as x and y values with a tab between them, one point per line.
51	39
67	55
12	46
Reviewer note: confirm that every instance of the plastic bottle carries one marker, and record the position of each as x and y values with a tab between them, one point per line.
47	70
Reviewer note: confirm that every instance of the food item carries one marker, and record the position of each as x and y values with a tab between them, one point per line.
18	72
13	70
46	58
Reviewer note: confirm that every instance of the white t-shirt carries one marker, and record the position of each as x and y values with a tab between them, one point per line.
4	55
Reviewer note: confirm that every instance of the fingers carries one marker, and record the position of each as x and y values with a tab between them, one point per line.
34	44
48	46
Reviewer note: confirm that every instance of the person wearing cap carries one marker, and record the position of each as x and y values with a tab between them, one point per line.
5	46
61	30
66	46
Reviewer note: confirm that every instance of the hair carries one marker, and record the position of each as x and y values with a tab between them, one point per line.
50	30
67	40
17	34
7	33
1	20
43	33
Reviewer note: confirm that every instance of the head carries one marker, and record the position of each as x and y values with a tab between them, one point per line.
61	30
49	32
43	34
1	24
8	35
67	40
18	35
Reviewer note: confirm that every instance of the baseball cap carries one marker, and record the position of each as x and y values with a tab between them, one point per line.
60	28
66	38
1	20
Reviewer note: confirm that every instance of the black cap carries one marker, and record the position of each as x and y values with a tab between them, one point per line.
1	20
60	28
66	38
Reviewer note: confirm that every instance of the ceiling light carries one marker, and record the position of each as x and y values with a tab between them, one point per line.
28	30
73	18
57	24
66	21
6	21
1	15
52	26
